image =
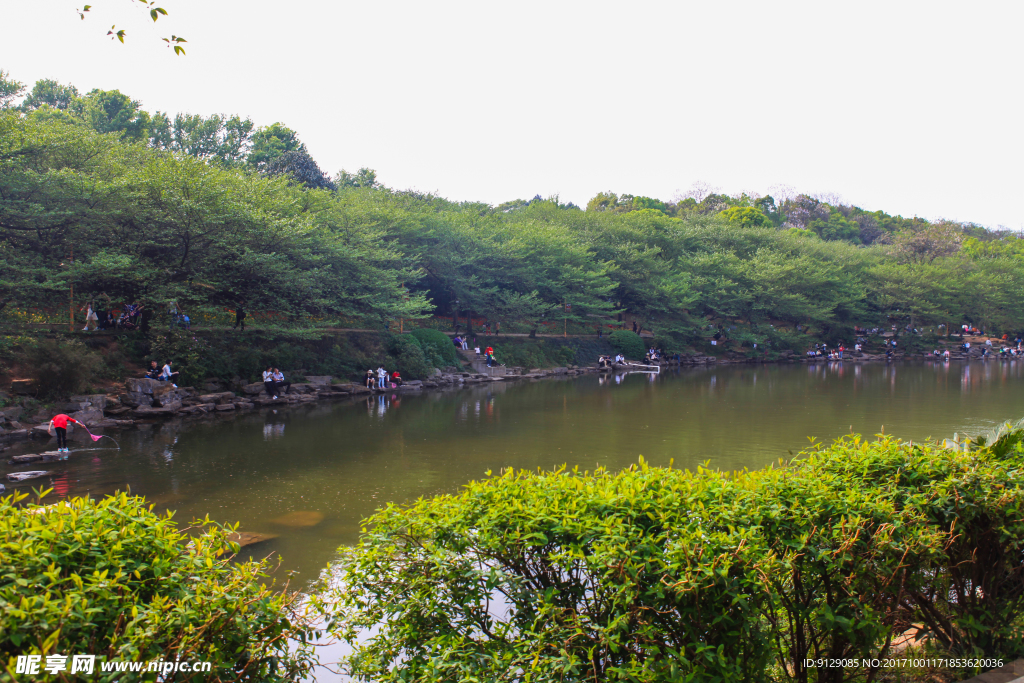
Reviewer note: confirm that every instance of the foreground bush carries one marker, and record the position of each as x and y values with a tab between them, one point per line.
113	579
656	574
562	576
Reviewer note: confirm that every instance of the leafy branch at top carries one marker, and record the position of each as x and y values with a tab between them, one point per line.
154	13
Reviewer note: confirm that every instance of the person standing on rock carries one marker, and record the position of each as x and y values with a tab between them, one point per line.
59	425
382	376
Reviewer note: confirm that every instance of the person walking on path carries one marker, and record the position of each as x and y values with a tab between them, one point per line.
268	382
59	425
91	318
279	381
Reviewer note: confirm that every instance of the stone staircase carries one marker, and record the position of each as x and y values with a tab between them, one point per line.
480	365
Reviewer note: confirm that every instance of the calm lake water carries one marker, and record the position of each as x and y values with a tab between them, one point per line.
309	474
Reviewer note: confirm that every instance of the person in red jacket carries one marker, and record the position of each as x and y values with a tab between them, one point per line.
59	424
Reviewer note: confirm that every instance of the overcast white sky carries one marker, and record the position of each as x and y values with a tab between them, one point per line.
910	107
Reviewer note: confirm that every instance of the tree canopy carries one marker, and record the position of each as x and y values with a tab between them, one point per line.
217	211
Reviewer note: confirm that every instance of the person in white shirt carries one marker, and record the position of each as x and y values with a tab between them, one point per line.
477	350
382	376
169	375
268	382
279	382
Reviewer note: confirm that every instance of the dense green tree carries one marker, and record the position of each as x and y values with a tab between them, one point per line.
10	89
52	94
270	142
301	168
110	111
364	177
747	216
218	137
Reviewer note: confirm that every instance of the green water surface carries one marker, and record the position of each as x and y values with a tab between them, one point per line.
309	474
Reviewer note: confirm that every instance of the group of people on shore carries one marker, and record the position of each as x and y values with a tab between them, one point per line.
274	381
380	379
653	355
607	361
823	351
129	318
162	374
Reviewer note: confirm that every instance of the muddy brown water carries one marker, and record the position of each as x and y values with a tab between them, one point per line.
309	474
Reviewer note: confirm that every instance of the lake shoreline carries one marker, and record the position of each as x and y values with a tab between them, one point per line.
148	402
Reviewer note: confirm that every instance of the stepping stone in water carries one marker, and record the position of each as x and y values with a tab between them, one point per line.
46	456
244	538
300	518
22	476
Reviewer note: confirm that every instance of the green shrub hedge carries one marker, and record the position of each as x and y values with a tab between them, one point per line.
437	347
113	579
656	574
629	343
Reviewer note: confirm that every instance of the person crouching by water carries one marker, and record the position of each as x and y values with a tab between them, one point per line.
371	379
279	381
396	380
59	425
268	382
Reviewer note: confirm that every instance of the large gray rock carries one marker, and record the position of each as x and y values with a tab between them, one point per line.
165	411
12	413
323	379
144	385
217	397
94	400
267	401
253	389
23	386
135	399
170	398
89	416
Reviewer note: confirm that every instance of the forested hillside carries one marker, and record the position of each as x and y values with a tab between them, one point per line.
217	213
